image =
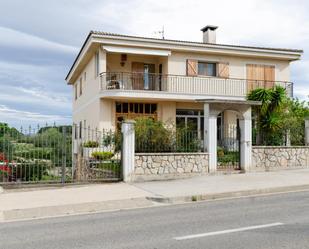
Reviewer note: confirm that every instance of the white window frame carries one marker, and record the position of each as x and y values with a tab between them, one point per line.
96	64
207	62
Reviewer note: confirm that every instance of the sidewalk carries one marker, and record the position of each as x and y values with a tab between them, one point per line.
37	203
219	186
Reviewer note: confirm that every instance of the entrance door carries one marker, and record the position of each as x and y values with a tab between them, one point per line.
149	77
143	77
228	151
137	76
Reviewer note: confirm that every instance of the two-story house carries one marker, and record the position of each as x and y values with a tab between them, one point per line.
117	77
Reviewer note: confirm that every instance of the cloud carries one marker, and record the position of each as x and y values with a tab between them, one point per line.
14	38
19	117
39	40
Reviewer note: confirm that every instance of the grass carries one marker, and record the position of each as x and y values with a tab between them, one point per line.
112	165
228	157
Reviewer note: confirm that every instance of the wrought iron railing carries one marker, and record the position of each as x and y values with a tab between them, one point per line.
186	84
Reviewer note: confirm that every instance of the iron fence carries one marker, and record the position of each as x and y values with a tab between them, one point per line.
99	155
35	154
149	140
228	150
58	154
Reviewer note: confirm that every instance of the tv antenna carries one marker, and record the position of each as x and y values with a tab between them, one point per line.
160	32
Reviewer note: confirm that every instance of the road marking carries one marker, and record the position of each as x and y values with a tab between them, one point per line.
241	229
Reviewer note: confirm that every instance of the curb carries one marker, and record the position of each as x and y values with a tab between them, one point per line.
72	209
235	194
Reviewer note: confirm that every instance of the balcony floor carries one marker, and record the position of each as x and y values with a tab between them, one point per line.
161	95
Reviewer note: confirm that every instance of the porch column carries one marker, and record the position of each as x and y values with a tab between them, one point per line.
246	140
210	137
128	149
307	132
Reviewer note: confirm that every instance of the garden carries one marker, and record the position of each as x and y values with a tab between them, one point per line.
35	154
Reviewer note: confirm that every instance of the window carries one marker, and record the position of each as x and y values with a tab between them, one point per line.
75	130
80	86
125	110
207	68
97	64
80	129
192	120
75	91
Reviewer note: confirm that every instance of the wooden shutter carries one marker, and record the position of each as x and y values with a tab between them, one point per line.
250	76
137	75
269	76
223	70
192	67
260	76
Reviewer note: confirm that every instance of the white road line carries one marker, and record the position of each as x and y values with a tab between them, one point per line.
241	229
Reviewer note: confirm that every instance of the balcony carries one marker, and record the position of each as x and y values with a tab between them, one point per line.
178	84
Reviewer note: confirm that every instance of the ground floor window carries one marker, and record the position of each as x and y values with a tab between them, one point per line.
130	110
194	120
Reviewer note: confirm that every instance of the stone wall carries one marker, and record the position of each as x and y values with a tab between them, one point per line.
277	157
156	166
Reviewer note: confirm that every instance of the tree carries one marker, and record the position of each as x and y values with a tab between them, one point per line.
269	114
294	120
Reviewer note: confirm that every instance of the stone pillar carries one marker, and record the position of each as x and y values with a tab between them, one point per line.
246	140
210	137
307	132
128	149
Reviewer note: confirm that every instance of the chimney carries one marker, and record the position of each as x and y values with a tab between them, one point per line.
209	34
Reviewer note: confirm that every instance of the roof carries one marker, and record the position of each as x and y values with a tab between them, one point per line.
194	42
101	33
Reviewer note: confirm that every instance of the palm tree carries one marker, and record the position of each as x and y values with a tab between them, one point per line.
268	115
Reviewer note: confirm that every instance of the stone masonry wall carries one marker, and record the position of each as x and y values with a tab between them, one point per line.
156	166
277	157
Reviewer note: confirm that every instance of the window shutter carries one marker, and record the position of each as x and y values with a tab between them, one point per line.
223	70
192	67
269	76
260	76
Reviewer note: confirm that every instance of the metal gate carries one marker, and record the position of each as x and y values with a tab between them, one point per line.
228	151
58	154
97	155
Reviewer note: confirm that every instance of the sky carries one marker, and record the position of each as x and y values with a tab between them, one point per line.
39	40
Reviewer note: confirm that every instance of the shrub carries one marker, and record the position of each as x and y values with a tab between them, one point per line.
3	175
6	147
112	139
152	136
102	155
27	170
220	151
91	144
187	140
28	151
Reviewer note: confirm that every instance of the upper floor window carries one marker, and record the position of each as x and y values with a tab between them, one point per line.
97	64
75	88
80	86
207	68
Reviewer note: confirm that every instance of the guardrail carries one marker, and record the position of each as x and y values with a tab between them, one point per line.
186	84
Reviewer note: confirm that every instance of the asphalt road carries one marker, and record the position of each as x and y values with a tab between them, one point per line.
275	221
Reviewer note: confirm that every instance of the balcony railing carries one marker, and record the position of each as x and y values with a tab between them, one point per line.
186	84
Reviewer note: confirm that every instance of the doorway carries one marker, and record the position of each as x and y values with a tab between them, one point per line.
228	143
143	76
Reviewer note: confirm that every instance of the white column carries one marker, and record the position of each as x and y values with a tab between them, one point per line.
210	137
128	149
246	141
307	132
